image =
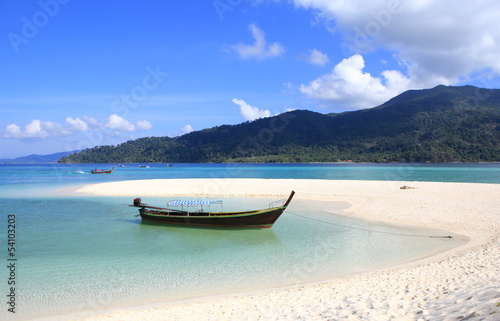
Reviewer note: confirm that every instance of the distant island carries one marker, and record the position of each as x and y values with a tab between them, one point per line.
442	124
37	159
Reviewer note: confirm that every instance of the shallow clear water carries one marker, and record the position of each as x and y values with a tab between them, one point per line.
80	173
84	253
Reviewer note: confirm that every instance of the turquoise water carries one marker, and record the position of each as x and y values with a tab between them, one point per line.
87	253
80	173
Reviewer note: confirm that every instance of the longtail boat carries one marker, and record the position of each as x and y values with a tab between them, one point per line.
195	213
102	171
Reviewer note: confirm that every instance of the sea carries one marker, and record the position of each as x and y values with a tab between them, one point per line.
67	254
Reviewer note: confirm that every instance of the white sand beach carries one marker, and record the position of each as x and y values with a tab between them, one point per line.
462	283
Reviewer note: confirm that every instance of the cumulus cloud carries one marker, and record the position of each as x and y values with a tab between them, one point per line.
143	125
316	57
92	123
348	86
45	129
186	129
249	112
120	125
77	124
259	49
12	131
439	41
36	129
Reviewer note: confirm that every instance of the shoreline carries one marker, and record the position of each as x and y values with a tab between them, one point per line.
467	209
370	200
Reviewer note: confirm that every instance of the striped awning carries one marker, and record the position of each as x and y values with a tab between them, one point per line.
193	202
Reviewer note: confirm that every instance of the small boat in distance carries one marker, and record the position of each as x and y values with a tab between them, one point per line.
102	171
263	218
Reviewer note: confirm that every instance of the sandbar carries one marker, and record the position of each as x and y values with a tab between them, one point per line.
462	283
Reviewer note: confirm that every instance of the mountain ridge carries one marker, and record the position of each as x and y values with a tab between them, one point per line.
38	159
441	124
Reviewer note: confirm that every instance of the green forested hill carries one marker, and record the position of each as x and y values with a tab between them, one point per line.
442	124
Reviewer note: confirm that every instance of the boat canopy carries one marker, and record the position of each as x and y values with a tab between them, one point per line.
193	202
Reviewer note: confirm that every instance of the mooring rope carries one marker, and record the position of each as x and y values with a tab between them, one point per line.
372	231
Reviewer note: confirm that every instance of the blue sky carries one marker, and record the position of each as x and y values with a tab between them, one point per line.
76	74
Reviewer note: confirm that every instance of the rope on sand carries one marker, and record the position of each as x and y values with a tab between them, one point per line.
372	231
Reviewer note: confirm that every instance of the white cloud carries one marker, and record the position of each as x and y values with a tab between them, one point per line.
12	131
54	129
92	123
249	112
35	129
119	125
439	41
347	86
316	57
77	124
186	129
259	49
45	129
143	125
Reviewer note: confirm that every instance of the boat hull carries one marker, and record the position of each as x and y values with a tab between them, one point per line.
102	171
259	219
263	218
